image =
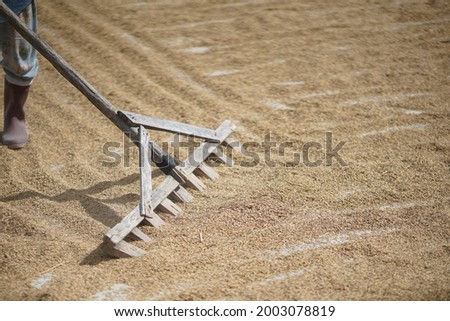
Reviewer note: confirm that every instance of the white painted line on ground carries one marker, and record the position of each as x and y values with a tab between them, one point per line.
197	50
393	129
219	73
316	94
336	240
397	206
190	81
146	3
280	277
116	292
351	192
290	83
386	207
245	3
42	280
381	99
56	167
66	100
274	62
341	48
194	24
137	42
179	41
412	112
352	236
170	290
310	214
404	25
202	23
276	104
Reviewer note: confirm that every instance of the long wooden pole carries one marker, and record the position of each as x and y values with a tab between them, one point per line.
161	159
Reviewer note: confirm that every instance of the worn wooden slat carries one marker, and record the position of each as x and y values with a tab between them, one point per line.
170	126
207	171
167	206
146	173
189	179
137	235
196	158
195	183
122	249
223	158
128	223
233	143
164	190
182	195
225	129
154	220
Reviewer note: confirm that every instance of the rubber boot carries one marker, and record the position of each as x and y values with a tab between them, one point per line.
15	133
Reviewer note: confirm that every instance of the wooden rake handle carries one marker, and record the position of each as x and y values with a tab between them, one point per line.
160	158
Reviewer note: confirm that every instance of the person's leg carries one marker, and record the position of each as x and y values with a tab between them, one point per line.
15	133
20	65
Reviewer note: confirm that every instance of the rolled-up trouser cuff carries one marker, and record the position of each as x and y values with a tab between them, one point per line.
19	57
17	81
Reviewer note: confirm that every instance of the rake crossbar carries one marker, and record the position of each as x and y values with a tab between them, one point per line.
169	126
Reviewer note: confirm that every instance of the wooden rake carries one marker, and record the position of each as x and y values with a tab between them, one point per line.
179	174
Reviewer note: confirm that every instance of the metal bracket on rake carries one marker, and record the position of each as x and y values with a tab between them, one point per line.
183	175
